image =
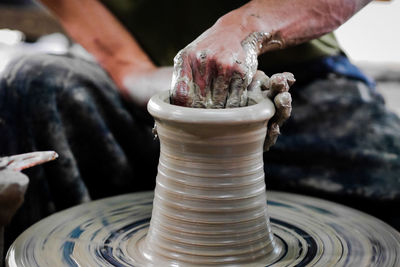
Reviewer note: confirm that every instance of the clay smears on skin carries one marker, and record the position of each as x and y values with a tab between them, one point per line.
209	79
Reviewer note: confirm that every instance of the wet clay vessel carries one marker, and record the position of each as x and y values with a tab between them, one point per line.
209	208
210	201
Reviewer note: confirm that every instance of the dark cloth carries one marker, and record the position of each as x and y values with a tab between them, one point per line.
71	106
340	143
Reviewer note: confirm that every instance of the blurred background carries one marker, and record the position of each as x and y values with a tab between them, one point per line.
371	39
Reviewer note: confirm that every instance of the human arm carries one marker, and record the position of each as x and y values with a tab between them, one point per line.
90	24
216	68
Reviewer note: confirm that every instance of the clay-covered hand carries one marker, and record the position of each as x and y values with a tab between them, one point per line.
275	88
215	69
13	183
140	87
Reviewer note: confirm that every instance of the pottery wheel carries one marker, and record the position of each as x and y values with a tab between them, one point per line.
313	232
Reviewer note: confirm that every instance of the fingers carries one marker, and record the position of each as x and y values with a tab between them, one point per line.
277	89
210	81
27	160
259	81
198	81
289	78
220	87
202	69
256	87
272	135
237	91
279	83
221	83
283	109
202	80
182	89
283	106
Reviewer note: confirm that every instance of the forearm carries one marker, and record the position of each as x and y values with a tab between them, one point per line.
289	22
90	24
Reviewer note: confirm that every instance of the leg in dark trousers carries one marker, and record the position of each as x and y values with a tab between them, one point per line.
71	106
341	143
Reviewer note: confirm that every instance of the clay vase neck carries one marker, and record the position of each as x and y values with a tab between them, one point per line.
210	199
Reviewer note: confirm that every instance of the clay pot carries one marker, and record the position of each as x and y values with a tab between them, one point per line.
210	199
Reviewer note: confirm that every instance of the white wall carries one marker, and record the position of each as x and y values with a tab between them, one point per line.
373	34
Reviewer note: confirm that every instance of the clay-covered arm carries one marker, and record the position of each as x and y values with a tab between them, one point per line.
216	68
289	22
90	24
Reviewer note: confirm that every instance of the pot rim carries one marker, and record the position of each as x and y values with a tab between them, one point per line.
159	108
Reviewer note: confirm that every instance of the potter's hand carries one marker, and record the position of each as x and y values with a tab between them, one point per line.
13	183
27	160
215	69
140	87
275	88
